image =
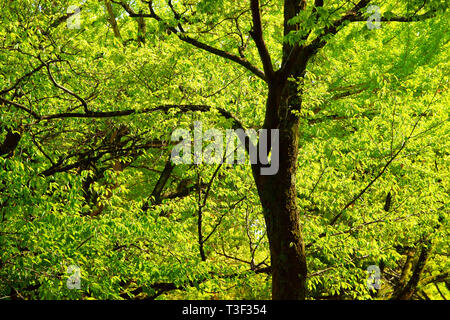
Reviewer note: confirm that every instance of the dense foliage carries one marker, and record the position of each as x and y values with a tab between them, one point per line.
85	140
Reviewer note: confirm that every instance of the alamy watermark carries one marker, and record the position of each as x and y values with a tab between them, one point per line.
237	143
373	277
74	281
373	22
74	20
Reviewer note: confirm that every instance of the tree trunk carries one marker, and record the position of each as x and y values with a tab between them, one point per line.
287	248
278	198
278	192
406	292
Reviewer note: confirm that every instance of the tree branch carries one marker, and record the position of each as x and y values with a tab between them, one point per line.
257	35
112	19
183	37
83	102
355	15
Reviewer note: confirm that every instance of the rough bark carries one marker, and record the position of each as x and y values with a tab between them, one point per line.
278	193
410	288
287	248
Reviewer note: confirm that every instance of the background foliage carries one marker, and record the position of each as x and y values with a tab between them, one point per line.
78	190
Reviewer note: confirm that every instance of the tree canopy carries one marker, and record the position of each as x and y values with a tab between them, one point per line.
91	91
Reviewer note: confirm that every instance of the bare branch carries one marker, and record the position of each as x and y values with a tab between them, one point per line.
20	106
257	35
83	102
183	37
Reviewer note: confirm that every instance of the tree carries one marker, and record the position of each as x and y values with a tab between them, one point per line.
286	50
